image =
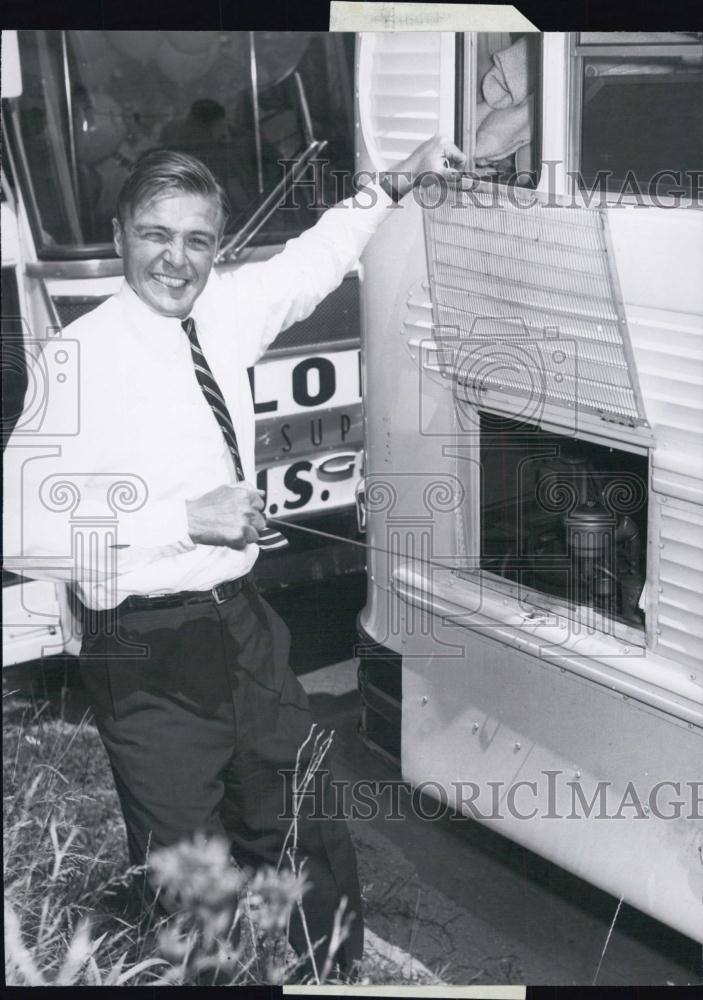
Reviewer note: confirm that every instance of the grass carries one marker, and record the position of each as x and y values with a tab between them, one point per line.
66	869
70	918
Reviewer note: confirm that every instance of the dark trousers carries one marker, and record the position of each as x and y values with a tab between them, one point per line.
197	731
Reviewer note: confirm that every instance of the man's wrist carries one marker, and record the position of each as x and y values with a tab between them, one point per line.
395	184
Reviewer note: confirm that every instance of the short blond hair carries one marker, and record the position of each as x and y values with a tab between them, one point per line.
161	170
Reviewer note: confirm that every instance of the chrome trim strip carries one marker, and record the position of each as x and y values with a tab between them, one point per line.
75	269
640	50
470	98
69	110
574	98
560	607
619	300
253	76
13	148
319	347
236	243
439	600
305	110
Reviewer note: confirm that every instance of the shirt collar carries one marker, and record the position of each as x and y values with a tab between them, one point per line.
142	315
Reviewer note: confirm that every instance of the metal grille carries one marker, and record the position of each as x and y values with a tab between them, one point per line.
72	307
335	319
525	302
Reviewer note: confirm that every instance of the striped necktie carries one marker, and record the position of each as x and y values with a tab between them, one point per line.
269	538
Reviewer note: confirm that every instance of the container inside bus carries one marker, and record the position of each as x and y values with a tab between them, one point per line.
564	517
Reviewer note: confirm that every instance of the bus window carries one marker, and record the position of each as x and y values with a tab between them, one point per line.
94	101
639	115
503	100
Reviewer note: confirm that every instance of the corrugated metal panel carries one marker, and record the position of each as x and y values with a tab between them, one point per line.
400	84
525	296
669	358
417	317
680	582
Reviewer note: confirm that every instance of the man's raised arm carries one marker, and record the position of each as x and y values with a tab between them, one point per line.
290	285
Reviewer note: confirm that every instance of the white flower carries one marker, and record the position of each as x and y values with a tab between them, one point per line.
198	873
272	894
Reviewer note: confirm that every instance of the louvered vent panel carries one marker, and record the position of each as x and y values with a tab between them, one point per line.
526	304
669	359
400	84
680	583
417	318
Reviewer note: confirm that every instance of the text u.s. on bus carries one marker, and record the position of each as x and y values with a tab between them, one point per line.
532	364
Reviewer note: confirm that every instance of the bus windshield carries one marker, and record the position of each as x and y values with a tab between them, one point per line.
243	102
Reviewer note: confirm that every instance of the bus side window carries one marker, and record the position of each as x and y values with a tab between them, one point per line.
94	101
638	120
503	120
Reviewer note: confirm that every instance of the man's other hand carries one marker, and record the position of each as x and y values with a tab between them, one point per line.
228	515
437	155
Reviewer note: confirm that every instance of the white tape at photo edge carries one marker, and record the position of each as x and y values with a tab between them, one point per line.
413	992
355	16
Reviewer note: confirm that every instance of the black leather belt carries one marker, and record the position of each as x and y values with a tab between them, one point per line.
218	594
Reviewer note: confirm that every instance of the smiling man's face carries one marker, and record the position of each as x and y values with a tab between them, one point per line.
168	246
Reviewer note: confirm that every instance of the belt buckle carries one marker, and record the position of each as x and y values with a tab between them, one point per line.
215	596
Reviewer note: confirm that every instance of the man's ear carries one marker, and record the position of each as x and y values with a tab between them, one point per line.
117	236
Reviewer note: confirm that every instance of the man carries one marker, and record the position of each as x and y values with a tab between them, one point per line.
185	665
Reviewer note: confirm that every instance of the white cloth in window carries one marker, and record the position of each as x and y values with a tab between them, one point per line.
503	131
507	82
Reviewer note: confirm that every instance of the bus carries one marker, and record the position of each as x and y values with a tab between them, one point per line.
531	649
271	114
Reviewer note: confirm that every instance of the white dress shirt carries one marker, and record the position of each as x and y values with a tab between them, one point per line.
143	420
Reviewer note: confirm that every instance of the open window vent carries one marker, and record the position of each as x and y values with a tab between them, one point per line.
526	307
406	91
